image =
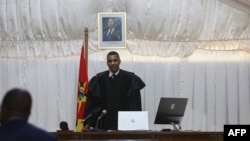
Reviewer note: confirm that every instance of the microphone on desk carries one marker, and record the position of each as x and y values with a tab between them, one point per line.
104	112
96	110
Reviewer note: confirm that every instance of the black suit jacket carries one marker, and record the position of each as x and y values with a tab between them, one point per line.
20	130
114	36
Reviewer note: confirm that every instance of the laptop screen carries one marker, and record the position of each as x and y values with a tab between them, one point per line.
170	110
133	120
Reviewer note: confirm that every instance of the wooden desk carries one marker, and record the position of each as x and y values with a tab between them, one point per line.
140	135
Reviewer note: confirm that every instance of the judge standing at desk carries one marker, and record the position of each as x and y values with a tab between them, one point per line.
112	90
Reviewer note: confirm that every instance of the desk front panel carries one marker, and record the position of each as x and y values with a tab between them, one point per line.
139	136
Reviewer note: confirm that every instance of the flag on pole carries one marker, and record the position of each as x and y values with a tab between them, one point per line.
82	91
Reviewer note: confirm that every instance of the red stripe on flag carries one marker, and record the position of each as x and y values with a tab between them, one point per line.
82	90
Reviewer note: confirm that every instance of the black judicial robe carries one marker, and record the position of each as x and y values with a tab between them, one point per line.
121	93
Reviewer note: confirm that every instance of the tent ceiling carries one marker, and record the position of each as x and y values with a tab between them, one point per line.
243	5
166	25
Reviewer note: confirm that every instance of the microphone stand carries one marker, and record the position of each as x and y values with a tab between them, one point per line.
175	126
86	118
96	126
104	112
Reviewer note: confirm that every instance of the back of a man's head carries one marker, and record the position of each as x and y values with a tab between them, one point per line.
64	126
16	103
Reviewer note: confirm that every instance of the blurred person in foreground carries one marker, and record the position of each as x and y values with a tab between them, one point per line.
14	114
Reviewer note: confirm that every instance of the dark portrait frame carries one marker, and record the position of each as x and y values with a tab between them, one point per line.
118	37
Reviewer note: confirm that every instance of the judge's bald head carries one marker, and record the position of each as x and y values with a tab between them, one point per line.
16	104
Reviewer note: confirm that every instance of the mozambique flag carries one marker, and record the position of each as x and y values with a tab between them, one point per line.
82	91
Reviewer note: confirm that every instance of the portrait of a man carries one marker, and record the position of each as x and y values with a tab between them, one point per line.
111	29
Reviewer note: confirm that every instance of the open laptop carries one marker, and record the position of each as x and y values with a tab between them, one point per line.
133	120
170	110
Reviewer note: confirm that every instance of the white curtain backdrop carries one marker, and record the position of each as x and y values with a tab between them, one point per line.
197	49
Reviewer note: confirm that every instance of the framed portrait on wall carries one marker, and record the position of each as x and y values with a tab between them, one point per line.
112	30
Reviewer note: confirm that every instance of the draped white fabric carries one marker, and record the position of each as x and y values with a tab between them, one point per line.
196	49
154	27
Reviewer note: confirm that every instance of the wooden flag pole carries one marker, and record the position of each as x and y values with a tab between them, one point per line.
86	38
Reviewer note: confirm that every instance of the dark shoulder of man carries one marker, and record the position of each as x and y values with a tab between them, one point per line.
102	74
127	73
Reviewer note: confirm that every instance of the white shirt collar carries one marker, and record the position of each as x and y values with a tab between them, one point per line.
116	73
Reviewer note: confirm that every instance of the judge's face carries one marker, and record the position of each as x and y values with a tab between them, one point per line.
113	62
